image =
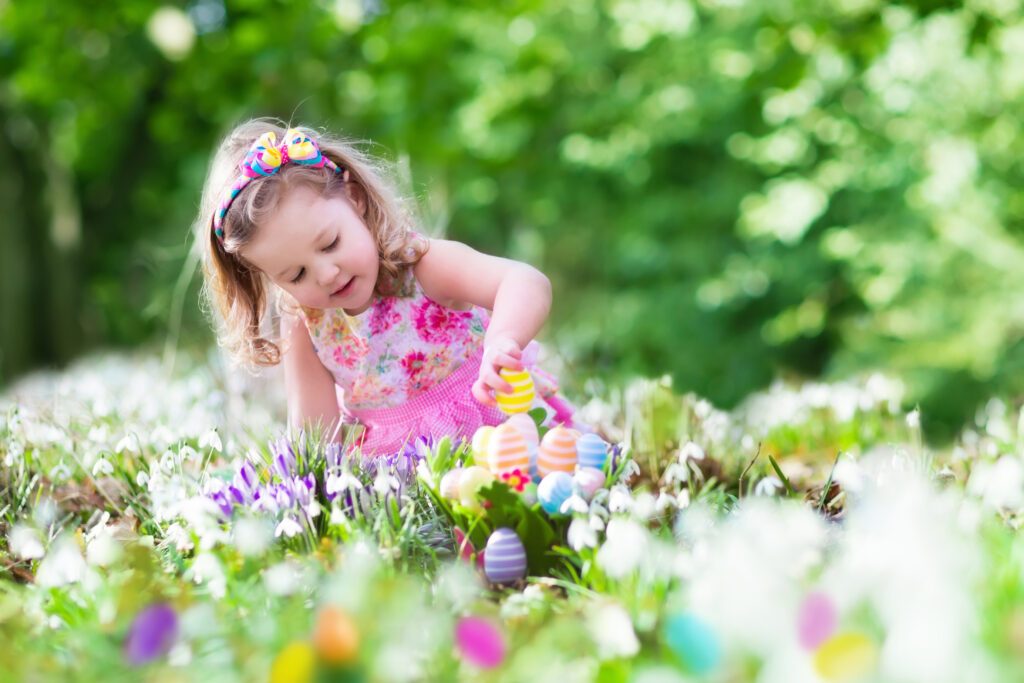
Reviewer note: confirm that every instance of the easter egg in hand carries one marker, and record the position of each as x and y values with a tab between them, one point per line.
335	636
521	398
450	484
557	452
589	480
472	480
505	557
479	443
553	490
591	451
507	451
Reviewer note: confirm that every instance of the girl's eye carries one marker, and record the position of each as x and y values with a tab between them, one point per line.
329	247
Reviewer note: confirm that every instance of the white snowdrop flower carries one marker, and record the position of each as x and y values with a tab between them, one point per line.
60	472
581	535
612	631
675	473
207	569
167	462
626	543
664	502
45	512
769	486
574	504
211	439
142	478
338	517
15	454
691	451
683	499
64	564
596	522
24	542
914	419
181	539
619	499
102	468
99	434
748	443
598	510
337	483
187	454
384	483
283	578
289	527
252	537
630	469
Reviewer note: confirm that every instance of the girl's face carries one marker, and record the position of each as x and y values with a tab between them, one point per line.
319	250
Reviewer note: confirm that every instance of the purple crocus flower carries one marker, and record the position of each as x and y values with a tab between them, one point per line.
245	478
222	502
152	634
284	458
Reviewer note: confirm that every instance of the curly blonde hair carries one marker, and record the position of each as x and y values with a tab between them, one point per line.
236	292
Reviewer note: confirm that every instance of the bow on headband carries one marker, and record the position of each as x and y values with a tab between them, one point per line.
265	158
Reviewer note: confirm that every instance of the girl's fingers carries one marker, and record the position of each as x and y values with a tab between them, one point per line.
481	394
495	381
507	360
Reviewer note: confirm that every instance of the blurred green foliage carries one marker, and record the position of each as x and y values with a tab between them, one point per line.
724	190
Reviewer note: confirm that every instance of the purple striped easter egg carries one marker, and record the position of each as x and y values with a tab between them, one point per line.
505	557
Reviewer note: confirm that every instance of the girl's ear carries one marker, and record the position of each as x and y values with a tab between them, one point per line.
357	195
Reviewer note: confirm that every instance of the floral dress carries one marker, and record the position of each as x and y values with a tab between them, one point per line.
405	367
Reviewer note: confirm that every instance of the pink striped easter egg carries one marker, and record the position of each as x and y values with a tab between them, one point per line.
557	452
507	450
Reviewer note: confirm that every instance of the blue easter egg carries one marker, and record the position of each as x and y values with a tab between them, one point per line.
505	557
693	642
592	451
553	490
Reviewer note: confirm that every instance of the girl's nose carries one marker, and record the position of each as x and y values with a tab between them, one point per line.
328	273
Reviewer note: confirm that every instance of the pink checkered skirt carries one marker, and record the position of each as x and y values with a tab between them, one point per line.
446	409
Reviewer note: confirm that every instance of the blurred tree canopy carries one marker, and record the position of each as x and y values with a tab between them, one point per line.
724	190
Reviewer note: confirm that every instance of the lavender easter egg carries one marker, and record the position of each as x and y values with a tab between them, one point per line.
507	451
450	484
505	557
521	398
553	490
589	480
557	452
591	451
526	426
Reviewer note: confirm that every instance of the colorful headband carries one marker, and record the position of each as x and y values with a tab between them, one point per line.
265	158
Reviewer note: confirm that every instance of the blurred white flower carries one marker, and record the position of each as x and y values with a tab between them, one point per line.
288	526
914	419
768	486
619	499
103	549
62	565
102	468
581	534
252	536
181	539
207	569
24	542
574	504
1001	484
612	631
60	472
283	578
625	544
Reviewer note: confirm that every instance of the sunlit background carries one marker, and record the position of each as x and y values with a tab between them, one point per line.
723	191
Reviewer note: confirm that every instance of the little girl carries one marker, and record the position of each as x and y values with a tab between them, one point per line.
379	325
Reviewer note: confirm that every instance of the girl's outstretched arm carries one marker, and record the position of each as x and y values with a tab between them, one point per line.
308	384
517	294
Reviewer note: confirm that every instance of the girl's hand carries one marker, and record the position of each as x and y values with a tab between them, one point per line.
503	352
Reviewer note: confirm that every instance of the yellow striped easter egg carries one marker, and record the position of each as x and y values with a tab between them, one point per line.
507	450
521	398
557	452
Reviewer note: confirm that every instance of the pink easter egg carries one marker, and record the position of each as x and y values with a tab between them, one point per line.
557	452
480	642
526	426
816	620
507	450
